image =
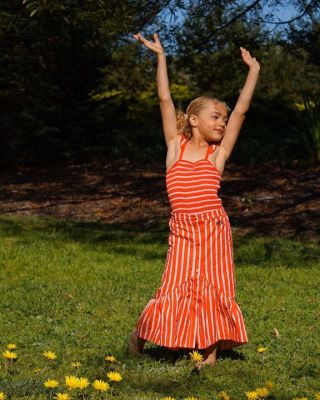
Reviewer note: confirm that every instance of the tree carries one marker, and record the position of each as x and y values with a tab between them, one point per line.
52	55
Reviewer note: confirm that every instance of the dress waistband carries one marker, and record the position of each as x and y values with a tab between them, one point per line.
176	215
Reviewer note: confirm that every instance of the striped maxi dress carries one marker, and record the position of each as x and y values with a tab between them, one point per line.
195	305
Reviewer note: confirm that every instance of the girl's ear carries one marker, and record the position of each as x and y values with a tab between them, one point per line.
193	120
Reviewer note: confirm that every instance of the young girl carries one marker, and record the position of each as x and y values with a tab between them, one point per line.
195	307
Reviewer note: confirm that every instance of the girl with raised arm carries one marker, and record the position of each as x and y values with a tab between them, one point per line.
195	308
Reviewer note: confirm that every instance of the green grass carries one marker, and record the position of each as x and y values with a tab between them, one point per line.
78	288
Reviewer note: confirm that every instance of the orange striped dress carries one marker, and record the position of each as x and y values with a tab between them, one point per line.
195	305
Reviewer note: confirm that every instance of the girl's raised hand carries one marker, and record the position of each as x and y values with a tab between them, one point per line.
154	46
250	61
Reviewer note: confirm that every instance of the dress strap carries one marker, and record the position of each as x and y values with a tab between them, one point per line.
211	149
183	143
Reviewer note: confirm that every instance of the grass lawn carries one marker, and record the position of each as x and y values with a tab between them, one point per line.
78	288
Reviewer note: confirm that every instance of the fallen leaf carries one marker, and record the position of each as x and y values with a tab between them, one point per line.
275	333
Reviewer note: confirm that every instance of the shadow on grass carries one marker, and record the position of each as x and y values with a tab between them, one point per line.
88	232
258	250
164	354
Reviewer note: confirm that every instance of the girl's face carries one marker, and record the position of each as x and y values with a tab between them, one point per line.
212	122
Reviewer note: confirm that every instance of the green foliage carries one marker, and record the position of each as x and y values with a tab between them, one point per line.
72	77
309	127
212	59
47	71
52	61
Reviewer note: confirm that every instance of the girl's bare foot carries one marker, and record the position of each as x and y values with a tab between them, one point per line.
210	357
135	344
204	363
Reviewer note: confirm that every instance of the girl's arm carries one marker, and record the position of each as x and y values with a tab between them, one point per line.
168	112
242	106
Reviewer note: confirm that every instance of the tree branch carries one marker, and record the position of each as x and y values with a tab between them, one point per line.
294	18
235	18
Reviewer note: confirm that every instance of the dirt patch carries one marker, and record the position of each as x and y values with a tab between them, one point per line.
268	199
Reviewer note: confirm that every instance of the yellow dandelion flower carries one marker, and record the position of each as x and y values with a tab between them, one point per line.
71	381
114	376
51	383
76	364
11	346
2	396
317	396
196	356
62	396
223	395
168	398
190	398
262	349
262	392
83	383
100	385
269	385
111	359
9	355
50	355
252	395
300	398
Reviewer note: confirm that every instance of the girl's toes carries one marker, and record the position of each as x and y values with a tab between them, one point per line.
199	365
203	364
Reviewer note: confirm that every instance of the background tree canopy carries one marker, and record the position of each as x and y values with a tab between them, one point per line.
75	84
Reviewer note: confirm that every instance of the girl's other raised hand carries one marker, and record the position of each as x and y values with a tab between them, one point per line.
250	61
153	46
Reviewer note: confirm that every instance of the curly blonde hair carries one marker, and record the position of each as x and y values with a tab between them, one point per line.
194	107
